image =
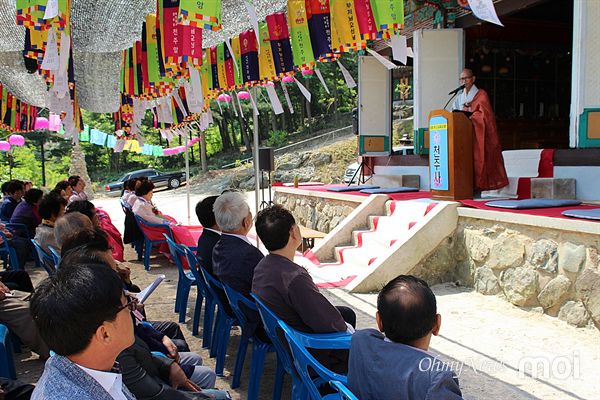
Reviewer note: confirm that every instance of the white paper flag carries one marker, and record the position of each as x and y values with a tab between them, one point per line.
228	44
386	63
50	62
233	96
119	146
180	103
304	90
65	48
51	9
196	83
239	104
484	9
347	77
253	104
275	103
287	99
253	21
399	48
320	76
61	84
410	52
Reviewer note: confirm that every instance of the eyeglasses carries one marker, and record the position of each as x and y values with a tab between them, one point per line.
462	79
131	304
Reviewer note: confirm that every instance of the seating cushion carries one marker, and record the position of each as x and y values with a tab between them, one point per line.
586	214
532	203
399	189
351	188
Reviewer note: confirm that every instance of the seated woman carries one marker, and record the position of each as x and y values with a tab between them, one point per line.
144	208
51	208
64	189
27	211
77	185
100	219
133	197
128	192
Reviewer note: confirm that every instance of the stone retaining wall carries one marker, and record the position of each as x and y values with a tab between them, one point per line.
319	213
549	271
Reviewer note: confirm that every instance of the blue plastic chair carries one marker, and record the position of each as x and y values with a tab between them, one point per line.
343	391
259	348
45	260
184	283
7	364
8	254
148	243
305	363
55	255
271	325
209	301
223	324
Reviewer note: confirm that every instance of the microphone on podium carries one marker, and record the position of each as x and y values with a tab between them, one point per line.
458	89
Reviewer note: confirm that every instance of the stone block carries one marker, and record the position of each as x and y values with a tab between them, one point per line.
574	313
520	285
388	181
478	246
486	282
571	256
587	288
554	292
553	188
507	251
544	255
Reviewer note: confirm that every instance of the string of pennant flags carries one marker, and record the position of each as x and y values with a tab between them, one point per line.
169	73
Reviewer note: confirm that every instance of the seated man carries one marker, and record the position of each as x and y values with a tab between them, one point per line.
394	363
21	245
287	288
51	208
210	234
234	257
70	225
14	192
84	316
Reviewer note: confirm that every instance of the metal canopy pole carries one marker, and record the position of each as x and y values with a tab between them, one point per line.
256	167
187	176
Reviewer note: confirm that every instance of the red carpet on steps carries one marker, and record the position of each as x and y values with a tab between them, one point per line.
554	212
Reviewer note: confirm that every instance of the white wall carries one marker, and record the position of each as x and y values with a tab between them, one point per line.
422	171
587	177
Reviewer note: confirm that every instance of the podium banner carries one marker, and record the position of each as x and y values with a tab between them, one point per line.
438	153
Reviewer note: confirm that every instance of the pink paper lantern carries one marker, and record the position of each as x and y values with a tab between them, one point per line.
16	140
41	123
243	95
224	98
308	73
287	79
4	145
227	98
54	122
268	84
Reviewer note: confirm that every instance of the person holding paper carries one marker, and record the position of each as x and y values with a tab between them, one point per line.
488	164
144	208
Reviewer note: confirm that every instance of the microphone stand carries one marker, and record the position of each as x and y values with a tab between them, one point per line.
453	96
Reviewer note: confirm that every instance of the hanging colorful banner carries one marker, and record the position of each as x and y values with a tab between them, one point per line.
191	47
237	56
389	15
214	64
280	43
171	39
221	66
366	19
319	25
345	34
266	64
249	50
228	62
201	14
300	34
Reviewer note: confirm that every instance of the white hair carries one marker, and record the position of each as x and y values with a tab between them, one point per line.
230	209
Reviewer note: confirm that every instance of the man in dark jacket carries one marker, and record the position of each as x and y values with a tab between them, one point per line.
210	234
14	193
395	363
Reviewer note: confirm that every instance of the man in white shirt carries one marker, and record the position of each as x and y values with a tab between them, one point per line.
84	317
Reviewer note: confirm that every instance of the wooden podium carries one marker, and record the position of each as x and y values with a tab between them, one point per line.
450	155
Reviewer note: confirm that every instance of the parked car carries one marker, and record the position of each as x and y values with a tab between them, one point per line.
171	180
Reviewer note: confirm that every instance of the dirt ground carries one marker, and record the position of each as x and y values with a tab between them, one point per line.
484	338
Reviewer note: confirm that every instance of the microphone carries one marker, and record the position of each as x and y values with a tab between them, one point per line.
458	89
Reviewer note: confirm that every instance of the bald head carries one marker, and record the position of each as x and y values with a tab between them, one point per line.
407	309
69	225
467	78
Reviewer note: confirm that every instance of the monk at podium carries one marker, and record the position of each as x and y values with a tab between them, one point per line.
488	164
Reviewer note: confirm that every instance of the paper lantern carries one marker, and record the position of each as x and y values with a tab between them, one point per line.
54	122
308	73
4	145
16	140
287	79
268	84
41	123
243	95
224	98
